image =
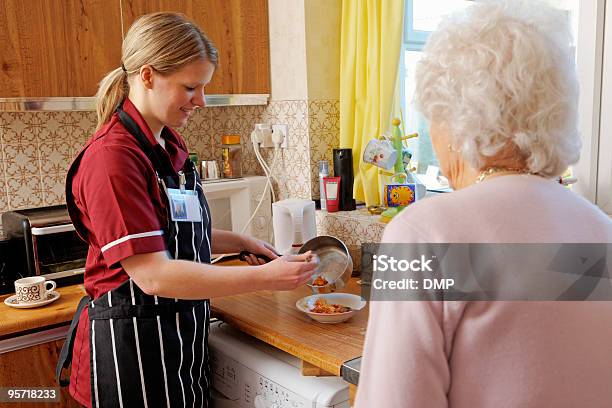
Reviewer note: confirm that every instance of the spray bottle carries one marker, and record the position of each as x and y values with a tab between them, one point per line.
323	172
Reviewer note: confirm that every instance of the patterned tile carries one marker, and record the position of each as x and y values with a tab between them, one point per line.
292	113
4	205
353	227
55	156
241	119
72	126
21	160
18	128
219	119
37	148
324	116
198	134
322	144
54	189
25	192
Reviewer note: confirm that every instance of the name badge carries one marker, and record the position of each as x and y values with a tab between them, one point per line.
184	205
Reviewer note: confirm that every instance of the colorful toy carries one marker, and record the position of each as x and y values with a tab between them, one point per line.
399	195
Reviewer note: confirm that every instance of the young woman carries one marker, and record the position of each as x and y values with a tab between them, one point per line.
140	337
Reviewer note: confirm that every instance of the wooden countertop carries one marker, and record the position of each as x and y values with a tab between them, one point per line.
273	318
14	321
20	321
269	316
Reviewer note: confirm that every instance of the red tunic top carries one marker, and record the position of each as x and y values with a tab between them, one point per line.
116	191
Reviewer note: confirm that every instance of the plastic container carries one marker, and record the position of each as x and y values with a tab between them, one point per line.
231	156
323	172
332	193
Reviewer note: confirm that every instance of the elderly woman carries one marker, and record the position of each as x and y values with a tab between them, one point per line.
498	85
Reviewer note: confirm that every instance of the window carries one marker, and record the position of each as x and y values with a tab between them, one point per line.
594	170
421	18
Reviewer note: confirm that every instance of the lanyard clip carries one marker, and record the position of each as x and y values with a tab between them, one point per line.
182	180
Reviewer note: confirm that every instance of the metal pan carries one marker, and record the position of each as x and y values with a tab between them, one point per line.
335	263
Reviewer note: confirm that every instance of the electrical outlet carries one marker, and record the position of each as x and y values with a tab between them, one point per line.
281	129
263	133
266	139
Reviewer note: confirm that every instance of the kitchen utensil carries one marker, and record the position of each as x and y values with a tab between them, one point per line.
335	263
355	302
210	170
294	223
245	254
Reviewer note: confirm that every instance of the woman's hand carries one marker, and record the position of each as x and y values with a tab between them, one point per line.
257	247
290	271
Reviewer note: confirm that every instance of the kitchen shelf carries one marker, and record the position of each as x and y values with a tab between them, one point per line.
89	103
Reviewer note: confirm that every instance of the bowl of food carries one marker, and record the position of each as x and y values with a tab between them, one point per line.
331	307
335	264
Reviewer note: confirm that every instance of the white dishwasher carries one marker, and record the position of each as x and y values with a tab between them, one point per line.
248	373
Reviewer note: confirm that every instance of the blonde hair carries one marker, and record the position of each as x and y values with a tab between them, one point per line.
501	78
166	42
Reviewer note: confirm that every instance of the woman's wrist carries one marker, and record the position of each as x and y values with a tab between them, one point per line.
241	242
260	278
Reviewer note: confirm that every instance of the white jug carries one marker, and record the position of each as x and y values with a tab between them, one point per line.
294	223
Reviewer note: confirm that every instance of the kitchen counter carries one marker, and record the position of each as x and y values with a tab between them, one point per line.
20	321
273	318
325	349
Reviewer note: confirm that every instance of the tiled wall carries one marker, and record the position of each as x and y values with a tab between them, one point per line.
313	133
38	147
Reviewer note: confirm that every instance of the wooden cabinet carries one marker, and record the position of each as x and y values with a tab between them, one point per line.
57	47
64	47
239	29
34	367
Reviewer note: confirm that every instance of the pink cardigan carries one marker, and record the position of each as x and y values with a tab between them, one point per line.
492	354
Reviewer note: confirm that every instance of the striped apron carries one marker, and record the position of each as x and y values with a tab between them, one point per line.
149	351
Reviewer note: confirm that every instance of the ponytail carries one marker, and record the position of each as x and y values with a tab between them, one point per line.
111	92
166	42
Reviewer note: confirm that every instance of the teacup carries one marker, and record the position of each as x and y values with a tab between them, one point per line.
380	153
32	289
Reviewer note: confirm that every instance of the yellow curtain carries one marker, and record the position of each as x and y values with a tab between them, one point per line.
371	42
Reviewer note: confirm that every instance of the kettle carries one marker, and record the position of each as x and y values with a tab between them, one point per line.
294	223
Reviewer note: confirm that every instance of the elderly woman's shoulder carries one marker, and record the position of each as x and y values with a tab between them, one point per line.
512	208
436	204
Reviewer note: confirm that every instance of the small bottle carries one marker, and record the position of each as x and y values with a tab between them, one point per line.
193	156
323	172
231	156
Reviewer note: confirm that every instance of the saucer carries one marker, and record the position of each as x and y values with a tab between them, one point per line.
12	301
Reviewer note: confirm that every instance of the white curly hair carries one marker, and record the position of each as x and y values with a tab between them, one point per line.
500	72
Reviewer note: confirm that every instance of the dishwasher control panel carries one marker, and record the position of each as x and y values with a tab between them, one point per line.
253	378
248	388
